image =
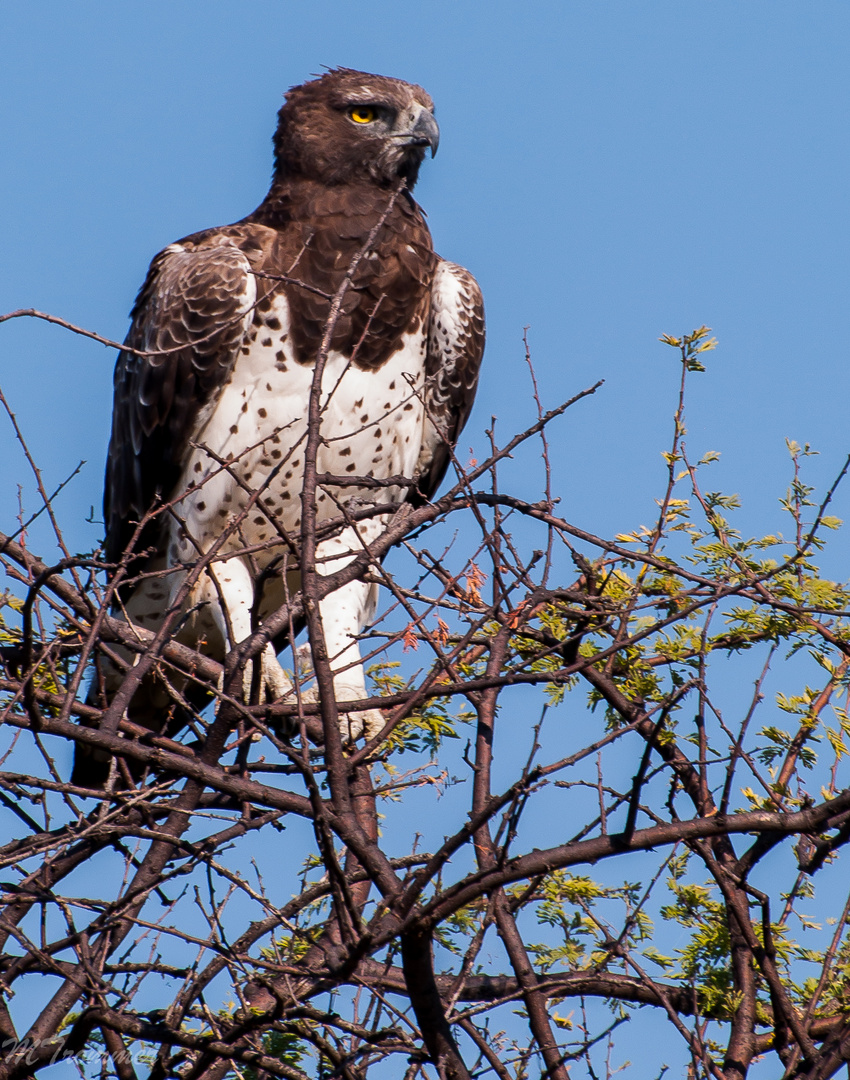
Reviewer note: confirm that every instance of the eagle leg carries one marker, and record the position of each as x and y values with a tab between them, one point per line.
344	614
274	683
227	592
368	723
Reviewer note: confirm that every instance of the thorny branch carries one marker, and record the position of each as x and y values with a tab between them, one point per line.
232	907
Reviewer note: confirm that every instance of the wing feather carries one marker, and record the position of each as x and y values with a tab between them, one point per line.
191	314
455	350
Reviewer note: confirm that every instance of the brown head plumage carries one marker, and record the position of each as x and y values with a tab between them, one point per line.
348	125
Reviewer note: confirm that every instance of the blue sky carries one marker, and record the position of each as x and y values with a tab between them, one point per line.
609	170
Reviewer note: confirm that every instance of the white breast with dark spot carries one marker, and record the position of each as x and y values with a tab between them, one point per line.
372	425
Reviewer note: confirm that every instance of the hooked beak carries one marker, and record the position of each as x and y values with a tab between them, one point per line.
424	132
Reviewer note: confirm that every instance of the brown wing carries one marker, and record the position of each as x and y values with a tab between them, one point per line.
455	349
191	314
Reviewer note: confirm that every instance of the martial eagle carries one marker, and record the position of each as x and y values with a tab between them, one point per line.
211	404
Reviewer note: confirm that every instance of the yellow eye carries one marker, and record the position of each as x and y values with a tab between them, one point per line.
362	114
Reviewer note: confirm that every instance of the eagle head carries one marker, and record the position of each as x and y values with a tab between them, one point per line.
348	125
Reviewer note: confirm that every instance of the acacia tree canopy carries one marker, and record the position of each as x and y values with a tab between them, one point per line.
458	897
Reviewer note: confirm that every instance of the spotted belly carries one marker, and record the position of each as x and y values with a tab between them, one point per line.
372	425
